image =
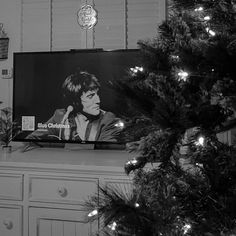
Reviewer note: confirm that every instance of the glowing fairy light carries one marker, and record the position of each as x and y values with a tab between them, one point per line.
199	9
133	162
134	70
206	18
200	141
137	69
211	32
120	124
186	228
199	165
183	75
93	213
175	57
113	226
136	204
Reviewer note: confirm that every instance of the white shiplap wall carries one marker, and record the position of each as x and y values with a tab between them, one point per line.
52	24
35	29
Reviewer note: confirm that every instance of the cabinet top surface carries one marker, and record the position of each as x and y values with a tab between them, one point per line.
108	160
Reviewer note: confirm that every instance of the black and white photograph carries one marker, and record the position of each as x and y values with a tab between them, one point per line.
70	97
117	118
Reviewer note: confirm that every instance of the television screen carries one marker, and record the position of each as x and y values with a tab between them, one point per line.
67	96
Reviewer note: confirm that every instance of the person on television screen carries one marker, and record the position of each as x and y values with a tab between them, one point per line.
82	119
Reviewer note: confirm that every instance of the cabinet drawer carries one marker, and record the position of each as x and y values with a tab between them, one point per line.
70	190
10	220
57	222
11	186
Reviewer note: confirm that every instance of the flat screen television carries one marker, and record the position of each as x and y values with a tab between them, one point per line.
67	97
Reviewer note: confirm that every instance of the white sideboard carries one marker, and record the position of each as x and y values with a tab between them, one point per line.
42	191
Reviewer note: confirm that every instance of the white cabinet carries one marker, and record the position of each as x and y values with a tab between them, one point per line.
42	191
58	222
10	220
59	189
11	186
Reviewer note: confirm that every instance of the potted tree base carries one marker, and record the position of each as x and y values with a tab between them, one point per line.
7	129
6	149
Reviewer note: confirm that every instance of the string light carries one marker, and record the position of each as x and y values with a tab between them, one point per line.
199	165
200	141
113	226
120	124
133	162
183	75
186	228
93	213
199	9
140	69
175	56
206	18
211	32
136	69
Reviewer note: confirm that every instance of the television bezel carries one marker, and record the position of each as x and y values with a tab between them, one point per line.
62	142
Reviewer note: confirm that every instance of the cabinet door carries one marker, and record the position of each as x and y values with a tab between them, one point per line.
59	222
10	220
121	184
11	186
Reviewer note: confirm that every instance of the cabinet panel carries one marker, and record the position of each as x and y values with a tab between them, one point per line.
57	222
11	186
120	184
61	189
10	220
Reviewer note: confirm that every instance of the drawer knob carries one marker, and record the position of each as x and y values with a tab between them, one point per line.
8	224
62	191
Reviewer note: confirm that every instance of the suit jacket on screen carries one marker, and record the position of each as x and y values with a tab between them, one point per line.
105	127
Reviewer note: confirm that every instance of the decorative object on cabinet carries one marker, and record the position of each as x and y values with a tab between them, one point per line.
8	128
87	17
4	43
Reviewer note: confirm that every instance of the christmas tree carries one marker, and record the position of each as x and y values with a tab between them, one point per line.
184	93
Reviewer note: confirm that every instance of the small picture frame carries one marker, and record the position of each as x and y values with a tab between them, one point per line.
4	43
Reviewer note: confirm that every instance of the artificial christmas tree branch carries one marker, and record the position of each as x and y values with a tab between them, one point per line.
182	95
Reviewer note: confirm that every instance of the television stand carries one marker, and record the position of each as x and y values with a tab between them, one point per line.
96	146
73	146
34	144
79	146
109	146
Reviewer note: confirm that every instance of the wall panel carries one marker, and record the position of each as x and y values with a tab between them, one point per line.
52	24
66	33
143	18
35	25
109	32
